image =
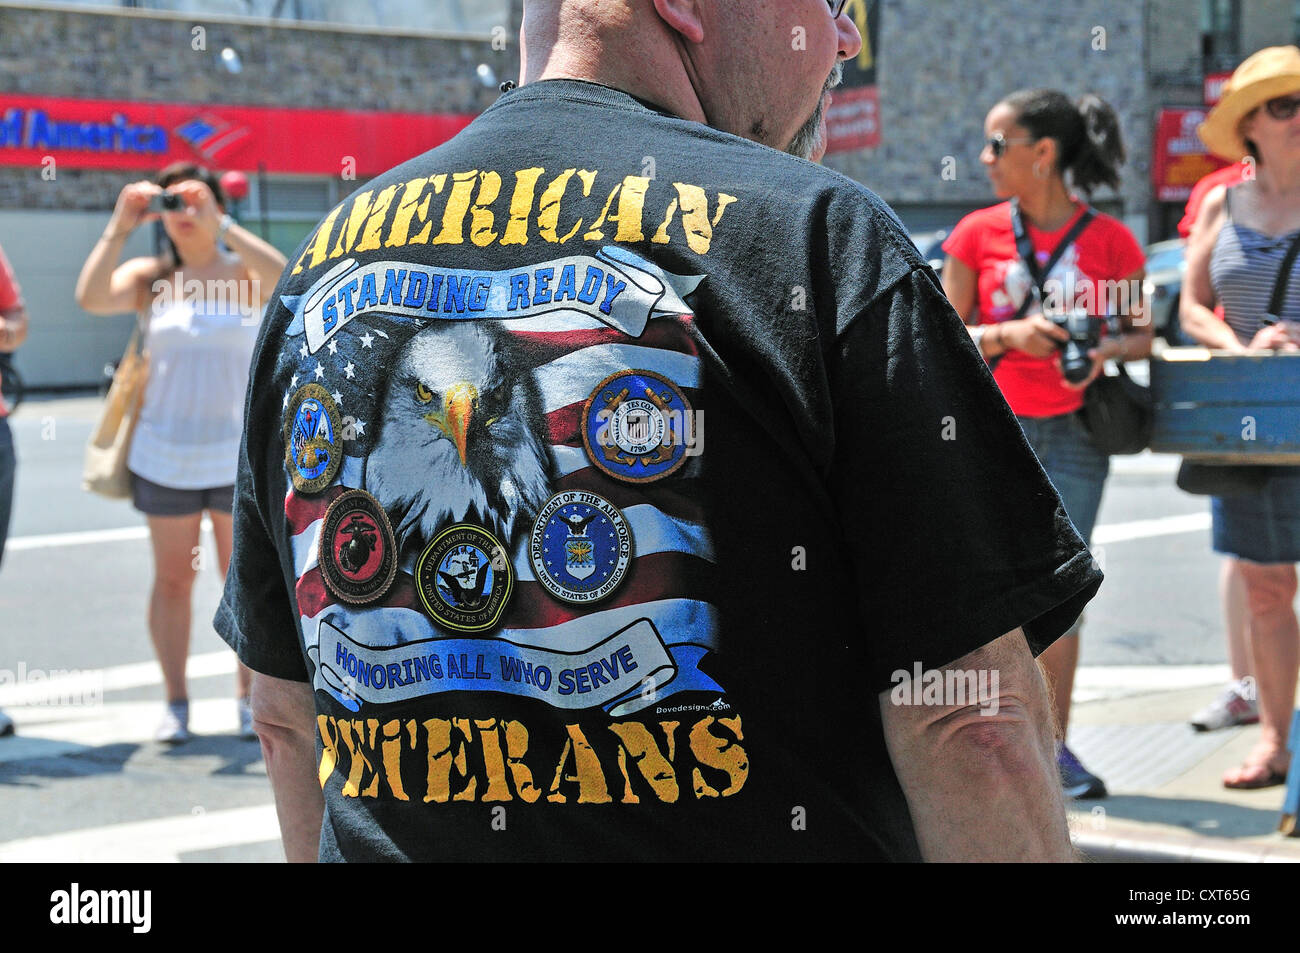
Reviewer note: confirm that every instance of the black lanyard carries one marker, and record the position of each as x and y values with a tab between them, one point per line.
1026	249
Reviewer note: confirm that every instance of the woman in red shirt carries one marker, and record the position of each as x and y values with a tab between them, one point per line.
1041	148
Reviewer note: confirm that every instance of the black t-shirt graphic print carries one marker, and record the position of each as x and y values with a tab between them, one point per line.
597	507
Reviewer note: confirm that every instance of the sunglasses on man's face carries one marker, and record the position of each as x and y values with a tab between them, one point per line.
837	7
998	143
1284	107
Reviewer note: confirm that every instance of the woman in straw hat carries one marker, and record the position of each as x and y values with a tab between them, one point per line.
1234	255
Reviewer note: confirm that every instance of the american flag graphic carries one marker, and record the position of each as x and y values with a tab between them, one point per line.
568	354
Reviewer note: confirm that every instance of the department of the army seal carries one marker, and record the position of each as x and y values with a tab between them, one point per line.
464	578
637	426
580	547
313	439
357	552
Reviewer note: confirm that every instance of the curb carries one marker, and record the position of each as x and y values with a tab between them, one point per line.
1155	847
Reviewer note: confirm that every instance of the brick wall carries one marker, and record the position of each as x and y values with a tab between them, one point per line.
944	63
121	55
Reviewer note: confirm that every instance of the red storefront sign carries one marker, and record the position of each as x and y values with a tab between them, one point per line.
1214	87
853	120
105	134
1179	158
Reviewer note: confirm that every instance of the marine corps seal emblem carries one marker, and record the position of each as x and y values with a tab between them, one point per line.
357	552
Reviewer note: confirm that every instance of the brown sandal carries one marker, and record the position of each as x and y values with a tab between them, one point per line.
1267	779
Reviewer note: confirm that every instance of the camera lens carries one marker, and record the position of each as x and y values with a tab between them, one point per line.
172	202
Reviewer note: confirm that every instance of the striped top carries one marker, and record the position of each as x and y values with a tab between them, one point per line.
1243	269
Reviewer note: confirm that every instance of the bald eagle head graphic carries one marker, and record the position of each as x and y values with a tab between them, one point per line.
461	437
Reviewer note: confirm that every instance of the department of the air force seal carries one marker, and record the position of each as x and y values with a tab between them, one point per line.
357	552
464	578
313	439
636	426
580	547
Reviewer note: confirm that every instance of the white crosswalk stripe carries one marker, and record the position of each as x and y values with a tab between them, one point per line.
162	840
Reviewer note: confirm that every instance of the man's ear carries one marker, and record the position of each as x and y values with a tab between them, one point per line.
682	16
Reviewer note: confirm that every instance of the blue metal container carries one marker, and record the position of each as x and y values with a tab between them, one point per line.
1219	406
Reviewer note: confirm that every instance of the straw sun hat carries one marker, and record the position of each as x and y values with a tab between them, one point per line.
1262	76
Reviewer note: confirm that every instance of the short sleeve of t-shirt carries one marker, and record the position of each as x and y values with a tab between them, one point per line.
961	243
957	534
1126	254
10	293
256	616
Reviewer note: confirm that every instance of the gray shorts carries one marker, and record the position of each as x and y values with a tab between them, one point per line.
155	500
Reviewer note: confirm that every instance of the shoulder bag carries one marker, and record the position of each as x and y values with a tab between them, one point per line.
104	469
1237	479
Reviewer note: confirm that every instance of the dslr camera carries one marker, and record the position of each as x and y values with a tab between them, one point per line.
165	202
1085	334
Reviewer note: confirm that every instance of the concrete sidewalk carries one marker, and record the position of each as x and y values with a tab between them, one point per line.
1167	799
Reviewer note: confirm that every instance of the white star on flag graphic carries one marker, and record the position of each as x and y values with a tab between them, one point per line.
361	427
350	370
320	371
334	346
367	339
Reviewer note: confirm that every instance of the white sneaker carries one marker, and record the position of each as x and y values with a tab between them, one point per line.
6	725
175	725
245	719
1230	709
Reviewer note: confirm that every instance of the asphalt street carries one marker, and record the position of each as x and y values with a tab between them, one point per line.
83	779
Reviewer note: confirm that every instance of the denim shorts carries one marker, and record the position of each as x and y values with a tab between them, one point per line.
1262	527
153	499
1073	463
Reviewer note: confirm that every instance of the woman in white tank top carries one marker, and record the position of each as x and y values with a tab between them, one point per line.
199	305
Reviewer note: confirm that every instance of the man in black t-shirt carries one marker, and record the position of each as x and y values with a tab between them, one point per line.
619	486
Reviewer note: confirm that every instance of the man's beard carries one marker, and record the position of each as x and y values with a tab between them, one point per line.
804	144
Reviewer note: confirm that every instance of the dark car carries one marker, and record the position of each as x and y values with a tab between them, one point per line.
930	244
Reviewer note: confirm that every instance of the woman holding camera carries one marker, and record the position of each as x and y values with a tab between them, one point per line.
1039	148
198	304
1235	255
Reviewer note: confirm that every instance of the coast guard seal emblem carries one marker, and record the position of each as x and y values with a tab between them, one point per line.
580	547
313	440
636	426
464	578
357	552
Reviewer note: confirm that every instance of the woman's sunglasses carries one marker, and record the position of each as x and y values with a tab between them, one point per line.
1284	107
998	143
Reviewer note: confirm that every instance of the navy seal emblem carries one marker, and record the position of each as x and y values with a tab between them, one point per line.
357	552
464	578
636	426
313	439
580	547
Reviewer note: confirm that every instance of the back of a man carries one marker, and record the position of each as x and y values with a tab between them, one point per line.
611	466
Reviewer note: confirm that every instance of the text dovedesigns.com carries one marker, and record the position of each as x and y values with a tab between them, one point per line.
102	907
